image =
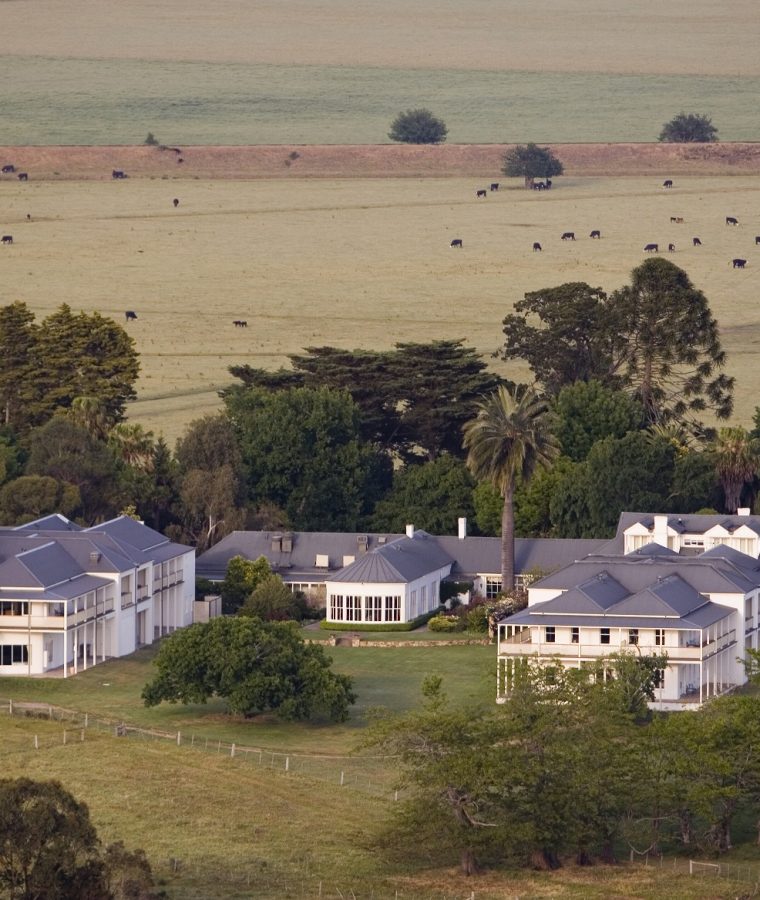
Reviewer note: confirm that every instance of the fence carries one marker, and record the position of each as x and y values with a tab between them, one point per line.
371	775
705	869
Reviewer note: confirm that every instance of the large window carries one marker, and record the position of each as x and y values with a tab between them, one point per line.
493	587
633	636
393	609
659	637
13	653
353	609
550	634
336	607
575	635
13	608
604	635
373	609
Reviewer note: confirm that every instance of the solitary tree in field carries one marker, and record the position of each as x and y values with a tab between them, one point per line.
506	441
689	129
418	126
531	162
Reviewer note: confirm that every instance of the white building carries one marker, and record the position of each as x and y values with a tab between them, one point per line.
72	597
700	608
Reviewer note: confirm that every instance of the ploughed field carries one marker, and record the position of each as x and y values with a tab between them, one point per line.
354	261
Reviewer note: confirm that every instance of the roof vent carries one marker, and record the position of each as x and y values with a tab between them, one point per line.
322	561
95	556
276	543
382	539
742	511
287	542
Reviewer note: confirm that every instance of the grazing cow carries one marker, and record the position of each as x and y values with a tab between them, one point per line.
175	201
671	248
494	185
240	323
651	248
457	242
176	150
7	239
180	160
481	193
668	183
677	219
596	234
536	247
118	173
23	176
568	236
129	315
730	220
9	169
539	186
757	239
696	242
738	263
548	184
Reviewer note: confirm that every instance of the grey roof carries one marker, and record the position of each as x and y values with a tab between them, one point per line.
129	531
705	616
687	523
53	522
669	596
482	555
593	595
405	559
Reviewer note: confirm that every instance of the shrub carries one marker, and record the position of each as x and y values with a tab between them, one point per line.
418	126
151	140
446	623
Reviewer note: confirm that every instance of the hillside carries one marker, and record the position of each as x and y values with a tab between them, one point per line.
373	161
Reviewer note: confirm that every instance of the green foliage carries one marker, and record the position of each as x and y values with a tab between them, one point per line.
432	495
489	507
446	623
241	579
736	455
30	497
418	126
273	601
256	666
533	500
530	162
303	452
376	626
151	140
586	412
691	128
412	400
695	484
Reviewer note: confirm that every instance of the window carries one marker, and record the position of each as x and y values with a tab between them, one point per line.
13	608
604	635
493	587
13	653
549	634
423	599
575	635
336	607
658	678
413	604
373	609
633	636
393	609
659	637
353	609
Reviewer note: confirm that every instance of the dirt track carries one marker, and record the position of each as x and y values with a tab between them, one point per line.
373	161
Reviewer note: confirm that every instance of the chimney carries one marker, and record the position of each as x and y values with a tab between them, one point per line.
410	530
462	529
660	534
743	511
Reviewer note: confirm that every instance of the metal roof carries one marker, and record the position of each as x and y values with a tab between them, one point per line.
405	559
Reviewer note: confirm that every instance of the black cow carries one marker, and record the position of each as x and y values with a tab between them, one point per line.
671	248
9	169
129	315
738	263
548	183
457	242
539	186
494	185
730	220
118	173
757	239
240	323
481	193
6	239
536	247
23	176
651	248
175	201
677	219
696	242
596	234
667	183
568	236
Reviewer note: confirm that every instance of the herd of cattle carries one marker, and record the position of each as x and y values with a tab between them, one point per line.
736	263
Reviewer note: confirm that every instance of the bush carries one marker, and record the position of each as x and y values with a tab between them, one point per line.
689	129
444	622
151	140
418	126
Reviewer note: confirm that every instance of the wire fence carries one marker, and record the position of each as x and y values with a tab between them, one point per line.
742	872
370	775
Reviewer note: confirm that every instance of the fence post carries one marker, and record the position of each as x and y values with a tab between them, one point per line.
36	743
179	739
64	736
86	719
50	712
341	779
192	741
10	707
287	763
395	795
232	751
83	735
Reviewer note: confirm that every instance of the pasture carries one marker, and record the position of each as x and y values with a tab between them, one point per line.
356	263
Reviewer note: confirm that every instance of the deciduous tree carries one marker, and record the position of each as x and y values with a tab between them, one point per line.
689	128
586	412
240	580
255	666
418	126
531	162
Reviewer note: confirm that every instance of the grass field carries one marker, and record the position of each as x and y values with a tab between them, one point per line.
218	827
355	263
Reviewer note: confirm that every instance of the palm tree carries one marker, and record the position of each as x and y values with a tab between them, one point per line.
737	462
505	442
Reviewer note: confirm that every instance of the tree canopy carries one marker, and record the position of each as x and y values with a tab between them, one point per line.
255	666
241	579
418	126
529	162
691	128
